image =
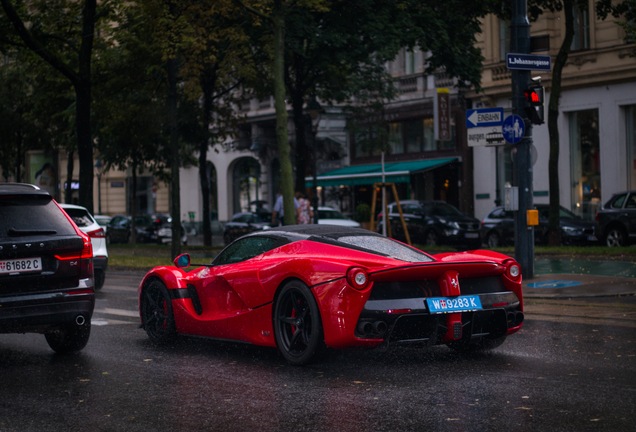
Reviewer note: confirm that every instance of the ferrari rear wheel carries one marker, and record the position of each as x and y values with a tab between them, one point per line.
156	313
297	325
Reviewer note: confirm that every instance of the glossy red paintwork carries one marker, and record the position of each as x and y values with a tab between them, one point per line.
237	299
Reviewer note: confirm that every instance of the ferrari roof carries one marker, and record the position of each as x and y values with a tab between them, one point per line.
317	230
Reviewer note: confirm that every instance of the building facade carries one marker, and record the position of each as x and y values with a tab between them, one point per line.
419	141
597	135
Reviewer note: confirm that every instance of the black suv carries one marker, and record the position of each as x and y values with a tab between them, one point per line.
46	269
434	223
617	220
498	228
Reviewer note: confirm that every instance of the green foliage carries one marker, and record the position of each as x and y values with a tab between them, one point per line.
363	213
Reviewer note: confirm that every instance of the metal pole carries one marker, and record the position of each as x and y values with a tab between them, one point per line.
99	193
524	235
315	179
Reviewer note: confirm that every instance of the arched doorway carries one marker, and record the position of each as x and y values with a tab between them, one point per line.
245	183
213	195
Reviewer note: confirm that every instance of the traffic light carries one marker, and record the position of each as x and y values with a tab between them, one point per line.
534	96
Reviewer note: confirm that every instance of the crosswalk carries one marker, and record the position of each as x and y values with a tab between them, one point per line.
120	289
112	316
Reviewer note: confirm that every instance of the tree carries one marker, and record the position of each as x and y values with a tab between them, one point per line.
215	63
275	15
339	52
70	53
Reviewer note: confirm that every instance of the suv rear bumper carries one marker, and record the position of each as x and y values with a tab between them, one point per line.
100	262
39	312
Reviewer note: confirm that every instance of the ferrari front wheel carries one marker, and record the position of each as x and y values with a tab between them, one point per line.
297	325
156	313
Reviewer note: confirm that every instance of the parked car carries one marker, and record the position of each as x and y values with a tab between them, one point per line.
155	228
433	223
103	221
300	288
46	269
498	228
85	221
616	220
331	216
163	233
245	222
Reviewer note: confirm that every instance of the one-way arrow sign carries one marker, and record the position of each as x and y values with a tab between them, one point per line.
484	117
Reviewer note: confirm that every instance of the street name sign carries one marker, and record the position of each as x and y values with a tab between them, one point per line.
528	62
483	117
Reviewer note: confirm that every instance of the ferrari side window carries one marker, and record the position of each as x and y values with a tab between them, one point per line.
246	248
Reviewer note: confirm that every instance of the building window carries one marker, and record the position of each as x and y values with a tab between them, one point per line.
371	140
412	136
504	39
395	138
581	39
585	162
630	139
409	62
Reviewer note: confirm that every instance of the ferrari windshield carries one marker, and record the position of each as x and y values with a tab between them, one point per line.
386	246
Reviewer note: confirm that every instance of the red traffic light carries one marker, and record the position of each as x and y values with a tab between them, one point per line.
534	95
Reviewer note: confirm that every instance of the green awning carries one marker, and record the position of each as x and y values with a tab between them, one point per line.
394	172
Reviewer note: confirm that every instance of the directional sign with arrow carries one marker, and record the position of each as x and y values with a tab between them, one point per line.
484	117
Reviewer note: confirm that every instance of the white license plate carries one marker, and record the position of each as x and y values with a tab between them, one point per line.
24	265
472	235
438	305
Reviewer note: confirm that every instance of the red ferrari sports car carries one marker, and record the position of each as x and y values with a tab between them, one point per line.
303	288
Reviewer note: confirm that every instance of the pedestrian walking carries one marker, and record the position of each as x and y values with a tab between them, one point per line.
304	214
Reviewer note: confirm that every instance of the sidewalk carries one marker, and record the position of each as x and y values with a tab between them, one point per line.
577	285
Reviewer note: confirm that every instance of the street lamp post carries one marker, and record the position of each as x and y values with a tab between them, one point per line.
99	169
315	111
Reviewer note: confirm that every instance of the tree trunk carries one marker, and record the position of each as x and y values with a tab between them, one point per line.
204	179
286	178
554	229
175	187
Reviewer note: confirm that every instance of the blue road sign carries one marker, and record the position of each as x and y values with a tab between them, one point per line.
513	129
483	117
528	62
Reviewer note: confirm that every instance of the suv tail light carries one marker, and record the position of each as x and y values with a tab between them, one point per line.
85	258
98	233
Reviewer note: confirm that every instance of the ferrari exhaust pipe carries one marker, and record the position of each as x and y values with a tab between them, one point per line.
380	328
515	318
80	320
365	328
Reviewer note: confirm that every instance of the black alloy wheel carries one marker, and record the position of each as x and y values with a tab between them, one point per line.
297	325
156	313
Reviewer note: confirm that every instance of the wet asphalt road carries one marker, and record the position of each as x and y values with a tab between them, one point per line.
572	368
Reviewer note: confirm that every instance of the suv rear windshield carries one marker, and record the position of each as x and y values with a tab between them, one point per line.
80	217
32	215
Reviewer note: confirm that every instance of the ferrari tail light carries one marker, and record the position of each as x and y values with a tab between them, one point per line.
513	270
358	278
